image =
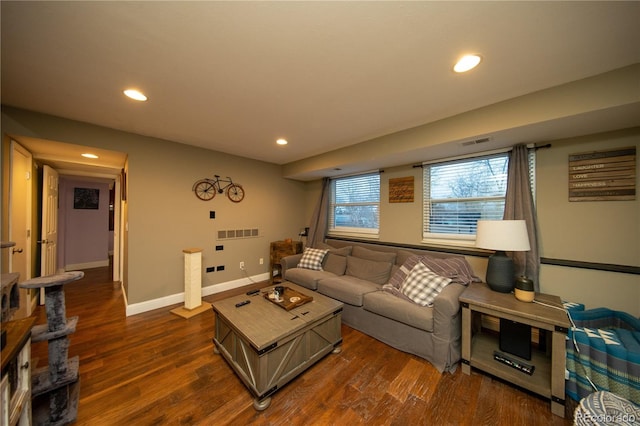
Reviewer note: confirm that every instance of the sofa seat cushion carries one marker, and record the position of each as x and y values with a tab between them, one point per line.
346	289
306	277
398	309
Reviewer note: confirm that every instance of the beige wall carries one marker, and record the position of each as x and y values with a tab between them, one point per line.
164	216
595	231
601	232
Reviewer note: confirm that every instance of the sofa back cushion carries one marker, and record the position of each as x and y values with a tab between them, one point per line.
370	270
336	259
378	256
335	264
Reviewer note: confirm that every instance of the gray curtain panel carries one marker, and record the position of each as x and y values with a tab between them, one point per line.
519	206
318	224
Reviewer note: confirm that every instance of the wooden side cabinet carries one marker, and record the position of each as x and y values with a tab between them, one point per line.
15	394
478	346
278	250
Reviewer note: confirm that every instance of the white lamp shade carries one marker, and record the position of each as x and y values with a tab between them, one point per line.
503	235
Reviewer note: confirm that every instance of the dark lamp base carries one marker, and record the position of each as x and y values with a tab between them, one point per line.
500	273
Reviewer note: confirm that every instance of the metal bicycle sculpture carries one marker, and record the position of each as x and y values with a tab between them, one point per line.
205	189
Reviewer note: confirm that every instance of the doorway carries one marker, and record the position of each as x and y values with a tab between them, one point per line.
67	160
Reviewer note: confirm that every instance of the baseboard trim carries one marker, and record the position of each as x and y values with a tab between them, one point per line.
87	265
174	299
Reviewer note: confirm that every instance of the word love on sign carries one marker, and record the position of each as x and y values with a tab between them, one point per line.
603	175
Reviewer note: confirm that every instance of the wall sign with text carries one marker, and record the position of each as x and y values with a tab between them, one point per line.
401	190
603	175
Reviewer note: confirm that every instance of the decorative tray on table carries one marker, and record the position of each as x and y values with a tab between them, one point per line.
289	299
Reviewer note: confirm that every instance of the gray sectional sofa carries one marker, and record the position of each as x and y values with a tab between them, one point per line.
368	278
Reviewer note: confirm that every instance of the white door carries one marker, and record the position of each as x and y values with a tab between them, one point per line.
20	222
49	241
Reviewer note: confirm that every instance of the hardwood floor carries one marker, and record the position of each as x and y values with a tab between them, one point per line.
157	368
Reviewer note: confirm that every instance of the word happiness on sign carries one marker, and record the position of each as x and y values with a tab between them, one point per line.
603	175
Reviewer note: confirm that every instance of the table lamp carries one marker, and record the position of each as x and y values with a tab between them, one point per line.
502	236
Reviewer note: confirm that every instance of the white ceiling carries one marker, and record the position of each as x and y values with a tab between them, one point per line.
235	76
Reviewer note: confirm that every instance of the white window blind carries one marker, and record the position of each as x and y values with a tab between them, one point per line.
459	193
354	206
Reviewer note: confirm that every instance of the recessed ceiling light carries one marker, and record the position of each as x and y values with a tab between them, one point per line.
87	155
466	63
135	94
282	142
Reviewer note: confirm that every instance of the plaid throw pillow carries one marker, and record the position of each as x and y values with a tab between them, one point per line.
422	286
312	259
401	274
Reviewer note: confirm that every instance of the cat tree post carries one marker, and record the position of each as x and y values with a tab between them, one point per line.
56	387
192	285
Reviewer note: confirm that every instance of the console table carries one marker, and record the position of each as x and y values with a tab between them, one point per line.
478	346
278	250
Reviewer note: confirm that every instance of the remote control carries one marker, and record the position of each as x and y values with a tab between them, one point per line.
252	292
246	302
514	363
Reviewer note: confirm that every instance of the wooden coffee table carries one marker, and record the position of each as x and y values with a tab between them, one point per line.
267	346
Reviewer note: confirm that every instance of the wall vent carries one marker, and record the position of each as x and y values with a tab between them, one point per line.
476	141
234	234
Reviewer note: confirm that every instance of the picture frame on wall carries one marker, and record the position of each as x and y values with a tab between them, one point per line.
86	198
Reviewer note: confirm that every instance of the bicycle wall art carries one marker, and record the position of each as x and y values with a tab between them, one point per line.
206	189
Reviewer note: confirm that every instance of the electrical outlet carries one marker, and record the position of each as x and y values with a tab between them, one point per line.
242	266
261	261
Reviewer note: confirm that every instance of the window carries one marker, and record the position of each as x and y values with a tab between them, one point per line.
354	207
459	193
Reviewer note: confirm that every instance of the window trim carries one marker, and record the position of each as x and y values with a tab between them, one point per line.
468	240
449	239
346	231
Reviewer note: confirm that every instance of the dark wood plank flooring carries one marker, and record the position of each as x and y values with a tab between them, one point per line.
157	368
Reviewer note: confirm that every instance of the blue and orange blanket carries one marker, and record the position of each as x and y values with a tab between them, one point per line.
607	353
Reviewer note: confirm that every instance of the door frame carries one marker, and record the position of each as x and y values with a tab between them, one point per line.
118	246
26	306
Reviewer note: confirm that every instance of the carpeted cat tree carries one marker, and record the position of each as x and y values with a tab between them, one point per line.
56	387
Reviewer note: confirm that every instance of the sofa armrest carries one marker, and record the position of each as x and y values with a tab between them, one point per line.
289	262
446	312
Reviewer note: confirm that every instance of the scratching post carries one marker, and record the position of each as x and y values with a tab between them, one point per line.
192	285
55	388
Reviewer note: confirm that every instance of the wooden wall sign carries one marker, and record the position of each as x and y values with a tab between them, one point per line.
603	175
401	190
